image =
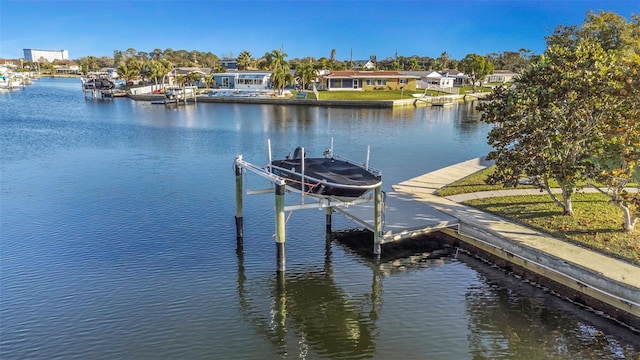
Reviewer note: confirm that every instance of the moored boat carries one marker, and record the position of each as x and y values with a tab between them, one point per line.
97	84
326	177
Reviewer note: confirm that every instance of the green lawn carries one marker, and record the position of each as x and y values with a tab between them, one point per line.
596	223
474	183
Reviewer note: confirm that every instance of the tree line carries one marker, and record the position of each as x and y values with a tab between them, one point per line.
134	63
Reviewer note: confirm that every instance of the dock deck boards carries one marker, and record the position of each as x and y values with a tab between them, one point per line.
403	217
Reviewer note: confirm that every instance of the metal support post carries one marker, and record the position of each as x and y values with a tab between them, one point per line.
239	222
280	226
328	228
377	218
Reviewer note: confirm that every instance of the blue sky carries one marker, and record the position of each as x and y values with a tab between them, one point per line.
303	28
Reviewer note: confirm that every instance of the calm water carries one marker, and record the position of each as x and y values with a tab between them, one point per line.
118	241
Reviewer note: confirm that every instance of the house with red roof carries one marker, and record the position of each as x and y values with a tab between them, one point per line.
368	80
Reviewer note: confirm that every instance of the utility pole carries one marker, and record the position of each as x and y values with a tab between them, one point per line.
351	58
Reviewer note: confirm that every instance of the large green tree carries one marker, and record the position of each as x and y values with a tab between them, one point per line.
544	123
616	158
572	115
131	69
476	67
88	64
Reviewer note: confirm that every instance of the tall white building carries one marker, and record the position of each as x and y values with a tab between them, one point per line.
50	55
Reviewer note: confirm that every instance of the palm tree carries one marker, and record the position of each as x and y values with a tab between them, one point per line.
89	63
194	77
118	58
126	73
307	73
332	58
146	71
413	64
181	80
165	67
209	80
134	65
444	60
153	70
275	61
244	60
281	78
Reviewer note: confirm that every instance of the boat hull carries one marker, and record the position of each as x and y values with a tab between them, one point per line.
326	177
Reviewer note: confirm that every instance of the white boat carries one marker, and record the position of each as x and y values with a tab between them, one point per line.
11	82
97	84
179	93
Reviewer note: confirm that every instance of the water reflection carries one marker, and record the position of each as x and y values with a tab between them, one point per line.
467	120
309	313
512	320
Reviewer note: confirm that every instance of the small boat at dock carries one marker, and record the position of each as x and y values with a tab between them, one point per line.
326	177
113	93
97	84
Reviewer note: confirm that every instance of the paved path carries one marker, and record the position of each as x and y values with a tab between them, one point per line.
507	192
423	189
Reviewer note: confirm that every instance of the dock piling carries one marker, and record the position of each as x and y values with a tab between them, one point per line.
239	221
328	226
280	226
377	218
328	219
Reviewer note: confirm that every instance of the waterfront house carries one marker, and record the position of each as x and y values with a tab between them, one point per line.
368	80
438	80
187	71
67	69
243	80
501	76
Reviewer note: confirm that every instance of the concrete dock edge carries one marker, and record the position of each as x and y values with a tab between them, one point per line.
606	284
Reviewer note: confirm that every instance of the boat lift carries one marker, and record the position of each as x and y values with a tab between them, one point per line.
279	187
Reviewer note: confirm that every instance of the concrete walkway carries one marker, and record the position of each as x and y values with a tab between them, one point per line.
602	273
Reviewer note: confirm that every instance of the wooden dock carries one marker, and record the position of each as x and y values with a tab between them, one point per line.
403	217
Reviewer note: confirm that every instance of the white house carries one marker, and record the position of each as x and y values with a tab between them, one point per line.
501	76
363	65
243	80
439	80
253	81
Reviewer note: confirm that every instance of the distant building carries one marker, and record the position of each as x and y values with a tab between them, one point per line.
243	79
229	63
50	55
67	69
368	80
501	76
363	65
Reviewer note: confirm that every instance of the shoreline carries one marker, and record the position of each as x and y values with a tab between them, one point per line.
581	275
415	102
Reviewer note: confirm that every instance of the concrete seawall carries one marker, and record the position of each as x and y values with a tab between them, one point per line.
584	276
293	101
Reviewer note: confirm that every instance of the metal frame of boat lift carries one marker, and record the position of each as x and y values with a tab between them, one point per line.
319	203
